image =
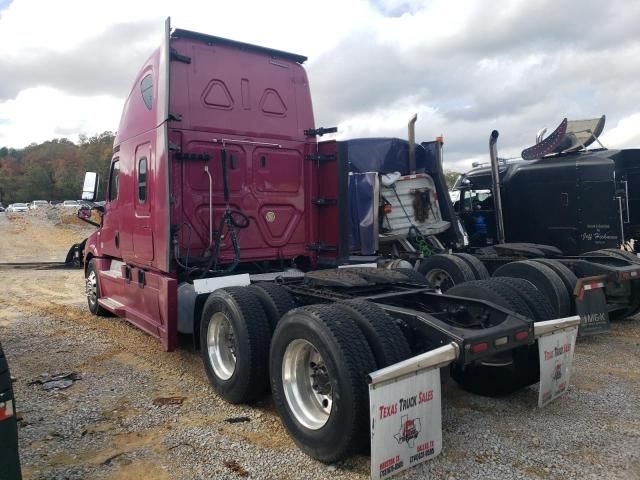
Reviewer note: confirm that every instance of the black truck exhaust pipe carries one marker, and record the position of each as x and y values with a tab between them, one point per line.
412	144
495	179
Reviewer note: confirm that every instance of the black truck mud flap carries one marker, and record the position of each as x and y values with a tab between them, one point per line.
591	306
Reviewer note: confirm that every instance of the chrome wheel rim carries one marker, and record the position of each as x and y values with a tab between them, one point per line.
440	279
307	384
221	346
91	288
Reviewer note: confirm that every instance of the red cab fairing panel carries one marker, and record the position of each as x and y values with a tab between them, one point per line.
256	107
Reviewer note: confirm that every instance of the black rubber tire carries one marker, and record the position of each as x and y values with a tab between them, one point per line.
632	257
250	378
537	302
542	310
275	301
9	459
384	337
477	267
545	280
634	307
566	275
456	268
493	292
413	276
493	380
95	308
348	359
616	253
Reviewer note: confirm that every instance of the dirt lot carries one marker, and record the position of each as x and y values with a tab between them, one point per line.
137	412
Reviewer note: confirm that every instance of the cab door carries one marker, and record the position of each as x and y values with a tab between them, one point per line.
110	231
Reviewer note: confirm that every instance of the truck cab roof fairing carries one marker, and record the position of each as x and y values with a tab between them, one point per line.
211	39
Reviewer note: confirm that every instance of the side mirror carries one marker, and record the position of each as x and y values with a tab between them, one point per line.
90	187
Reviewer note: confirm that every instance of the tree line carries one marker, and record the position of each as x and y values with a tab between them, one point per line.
53	170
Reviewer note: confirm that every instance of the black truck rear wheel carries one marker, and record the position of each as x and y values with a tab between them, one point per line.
537	302
9	457
413	276
275	301
478	268
545	280
386	340
505	373
634	304
566	275
234	344
444	271
319	361
616	253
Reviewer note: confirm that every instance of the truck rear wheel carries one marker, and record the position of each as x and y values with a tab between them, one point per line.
476	266
413	276
634	305
386	340
319	361
507	372
275	301
566	275
616	253
10	459
444	271
537	302
545	280
92	288
234	344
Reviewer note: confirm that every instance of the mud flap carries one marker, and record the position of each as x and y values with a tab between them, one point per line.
406	413
556	360
591	306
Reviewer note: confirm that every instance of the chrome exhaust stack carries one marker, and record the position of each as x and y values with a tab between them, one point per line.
412	143
495	178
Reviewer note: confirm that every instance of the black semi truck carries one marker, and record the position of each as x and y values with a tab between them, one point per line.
561	217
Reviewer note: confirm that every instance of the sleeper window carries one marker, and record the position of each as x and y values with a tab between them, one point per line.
142	179
146	88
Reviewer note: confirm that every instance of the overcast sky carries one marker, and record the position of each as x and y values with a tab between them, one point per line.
466	69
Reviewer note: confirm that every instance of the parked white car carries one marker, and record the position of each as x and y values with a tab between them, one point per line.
38	204
70	204
18	207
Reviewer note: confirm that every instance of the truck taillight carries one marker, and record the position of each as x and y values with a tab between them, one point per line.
523	335
479	347
6	410
387	209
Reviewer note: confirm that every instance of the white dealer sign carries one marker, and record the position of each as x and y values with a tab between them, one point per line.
405	398
406	415
556	358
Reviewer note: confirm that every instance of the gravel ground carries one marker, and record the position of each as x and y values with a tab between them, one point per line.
112	423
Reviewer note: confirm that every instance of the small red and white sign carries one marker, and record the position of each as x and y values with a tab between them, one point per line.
556	359
6	410
406	423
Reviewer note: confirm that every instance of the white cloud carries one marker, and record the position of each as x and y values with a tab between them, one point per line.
42	113
466	68
626	134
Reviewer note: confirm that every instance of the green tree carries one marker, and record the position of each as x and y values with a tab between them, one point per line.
53	170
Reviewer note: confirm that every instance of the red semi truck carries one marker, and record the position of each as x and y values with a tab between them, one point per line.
222	220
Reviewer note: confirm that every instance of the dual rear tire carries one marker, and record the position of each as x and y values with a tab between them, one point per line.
510	371
315	359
